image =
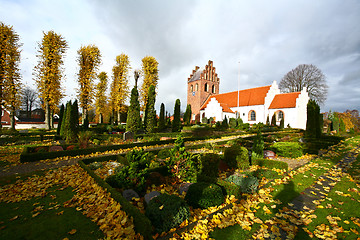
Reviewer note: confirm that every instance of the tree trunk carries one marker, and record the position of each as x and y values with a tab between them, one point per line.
118	117
12	118
47	115
52	118
101	118
1	113
84	115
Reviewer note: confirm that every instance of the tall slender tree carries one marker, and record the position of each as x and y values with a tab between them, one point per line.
176	121
49	71
150	73
100	102
162	121
89	60
187	115
120	85
150	110
133	121
9	71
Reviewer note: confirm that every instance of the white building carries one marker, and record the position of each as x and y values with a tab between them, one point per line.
256	104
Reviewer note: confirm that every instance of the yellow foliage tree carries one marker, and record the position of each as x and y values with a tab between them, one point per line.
150	74
49	72
9	71
120	85
101	97
89	60
347	120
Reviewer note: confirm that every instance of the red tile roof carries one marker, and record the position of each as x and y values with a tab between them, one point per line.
247	97
284	100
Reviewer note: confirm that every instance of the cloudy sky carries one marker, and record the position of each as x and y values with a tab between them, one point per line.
268	38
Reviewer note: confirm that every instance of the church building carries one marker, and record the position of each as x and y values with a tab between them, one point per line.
253	105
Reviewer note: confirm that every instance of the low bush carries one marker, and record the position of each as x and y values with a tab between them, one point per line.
204	195
247	183
230	188
287	149
209	168
166	212
95	165
265	173
164	153
270	163
236	157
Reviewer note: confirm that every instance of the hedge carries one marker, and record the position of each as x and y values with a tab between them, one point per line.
141	222
270	163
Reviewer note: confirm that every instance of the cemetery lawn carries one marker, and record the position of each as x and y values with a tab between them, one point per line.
46	218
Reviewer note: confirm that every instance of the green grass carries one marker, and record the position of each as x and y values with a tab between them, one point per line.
13	178
354	171
53	222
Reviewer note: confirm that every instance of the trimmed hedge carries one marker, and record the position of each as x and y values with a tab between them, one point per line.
236	156
230	188
270	163
209	167
141	222
287	149
167	212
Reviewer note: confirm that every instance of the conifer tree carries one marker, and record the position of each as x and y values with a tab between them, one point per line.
313	129
61	116
133	121
150	110
49	71
162	121
224	123
273	120
187	115
282	123
268	120
176	124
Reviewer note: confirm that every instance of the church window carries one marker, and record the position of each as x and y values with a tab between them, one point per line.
196	87
213	89
252	115
206	88
191	88
280	115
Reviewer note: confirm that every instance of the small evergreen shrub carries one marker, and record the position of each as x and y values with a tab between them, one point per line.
247	183
287	149
204	195
230	188
266	173
236	157
209	167
95	165
258	146
232	123
166	212
270	163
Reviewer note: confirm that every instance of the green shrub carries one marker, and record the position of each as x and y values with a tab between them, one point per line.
232	123
258	146
236	157
270	163
247	183
166	212
164	153
230	188
204	195
287	149
209	167
266	173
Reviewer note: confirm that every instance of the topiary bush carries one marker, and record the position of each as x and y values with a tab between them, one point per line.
230	188
204	195
287	149
166	212
236	157
209	167
247	183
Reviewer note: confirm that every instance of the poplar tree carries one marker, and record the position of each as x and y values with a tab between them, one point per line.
176	122
162	121
150	73
150	110
89	60
49	72
120	85
100	102
10	85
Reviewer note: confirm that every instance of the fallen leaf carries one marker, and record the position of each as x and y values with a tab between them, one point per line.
73	231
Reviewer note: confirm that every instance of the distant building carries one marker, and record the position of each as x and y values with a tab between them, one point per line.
253	105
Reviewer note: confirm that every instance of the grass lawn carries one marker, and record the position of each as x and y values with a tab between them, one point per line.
46	218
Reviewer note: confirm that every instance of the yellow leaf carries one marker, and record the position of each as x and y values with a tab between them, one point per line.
73	231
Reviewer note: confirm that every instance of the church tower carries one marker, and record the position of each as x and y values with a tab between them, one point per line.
202	83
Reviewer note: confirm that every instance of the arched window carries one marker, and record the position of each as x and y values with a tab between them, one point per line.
213	89
196	87
206	87
191	88
252	115
280	115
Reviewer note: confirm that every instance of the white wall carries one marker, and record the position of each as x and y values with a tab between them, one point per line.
244	113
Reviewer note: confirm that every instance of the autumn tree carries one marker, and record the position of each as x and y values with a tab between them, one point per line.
89	60
49	72
9	71
28	100
150	113
150	74
100	101
306	76
120	85
162	121
133	121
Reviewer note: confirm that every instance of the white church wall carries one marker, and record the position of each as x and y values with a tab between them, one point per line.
213	109
245	110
